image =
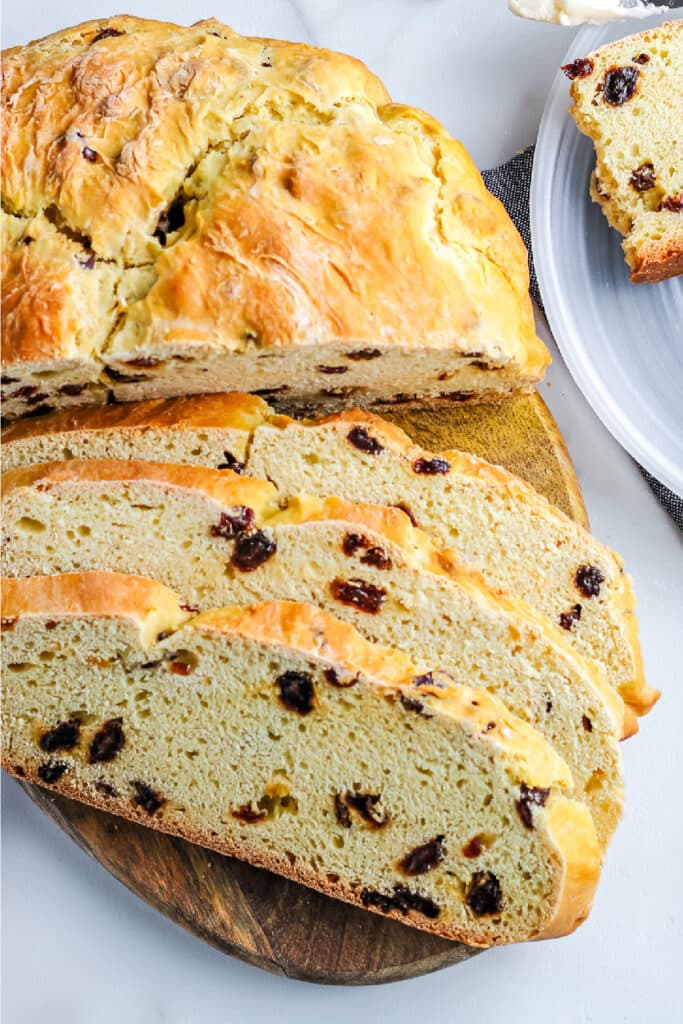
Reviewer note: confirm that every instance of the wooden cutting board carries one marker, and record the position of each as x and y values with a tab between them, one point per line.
259	917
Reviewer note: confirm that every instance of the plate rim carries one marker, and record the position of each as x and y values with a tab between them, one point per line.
635	442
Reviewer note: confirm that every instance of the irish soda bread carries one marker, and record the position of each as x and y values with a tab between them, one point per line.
218	538
519	541
188	209
278	734
628	98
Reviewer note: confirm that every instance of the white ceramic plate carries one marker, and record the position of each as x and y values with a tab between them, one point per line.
623	343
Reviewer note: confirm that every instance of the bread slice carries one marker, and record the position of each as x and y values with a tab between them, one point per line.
628	98
519	541
218	539
246	213
279	735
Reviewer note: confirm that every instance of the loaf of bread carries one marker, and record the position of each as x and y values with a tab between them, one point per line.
628	98
520	542
217	539
279	735
188	209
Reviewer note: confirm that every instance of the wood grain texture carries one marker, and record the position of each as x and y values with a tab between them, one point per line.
253	914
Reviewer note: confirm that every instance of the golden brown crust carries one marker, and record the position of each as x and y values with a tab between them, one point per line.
234	411
222	486
275	250
571	827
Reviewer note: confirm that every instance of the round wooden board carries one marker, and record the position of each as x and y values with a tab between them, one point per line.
253	914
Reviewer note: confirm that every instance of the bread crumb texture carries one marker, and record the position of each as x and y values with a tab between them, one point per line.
628	98
453	816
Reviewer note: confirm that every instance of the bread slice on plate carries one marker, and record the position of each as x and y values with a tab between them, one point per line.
244	213
217	538
628	98
279	735
520	542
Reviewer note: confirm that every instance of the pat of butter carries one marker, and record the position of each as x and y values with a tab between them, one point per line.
576	12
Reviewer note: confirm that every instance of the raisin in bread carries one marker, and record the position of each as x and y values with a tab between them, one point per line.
439	808
218	539
628	98
519	541
245	213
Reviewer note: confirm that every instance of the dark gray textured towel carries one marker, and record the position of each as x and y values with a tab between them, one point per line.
511	183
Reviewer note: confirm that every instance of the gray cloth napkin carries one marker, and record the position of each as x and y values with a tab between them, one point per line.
511	183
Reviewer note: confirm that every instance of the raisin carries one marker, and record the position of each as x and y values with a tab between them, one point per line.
251	550
412	705
588	580
352	542
483	894
106	33
408	511
231	525
377	558
146	798
6	379
341	812
431	467
620	85
488	727
333	369
334	679
548	706
40	397
8	622
107	741
567	619
25	392
170	221
424	858
296	691
105	789
188	607
230	462
72	389
364	353
64	736
142	362
164	635
89	154
359	594
51	771
19	771
429	679
587	724
402	900
121	377
179	668
642	58
361	440
643	178
473	848
581	68
481	365
42	410
366	805
530	796
673	203
248	814
89	262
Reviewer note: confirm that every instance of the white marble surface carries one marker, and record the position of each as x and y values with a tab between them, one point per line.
79	948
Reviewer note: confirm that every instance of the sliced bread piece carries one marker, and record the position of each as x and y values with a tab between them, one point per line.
519	541
628	98
218	539
279	735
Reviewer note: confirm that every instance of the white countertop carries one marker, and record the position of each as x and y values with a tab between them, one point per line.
79	948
